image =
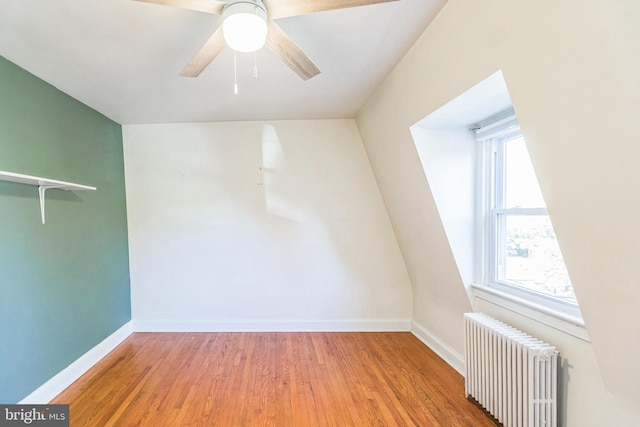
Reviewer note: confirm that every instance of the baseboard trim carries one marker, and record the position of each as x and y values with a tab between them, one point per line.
47	391
357	325
449	355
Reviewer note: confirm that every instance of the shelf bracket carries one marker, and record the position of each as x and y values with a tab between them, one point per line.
41	190
43	185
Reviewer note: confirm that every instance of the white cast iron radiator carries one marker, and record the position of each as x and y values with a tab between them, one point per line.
511	374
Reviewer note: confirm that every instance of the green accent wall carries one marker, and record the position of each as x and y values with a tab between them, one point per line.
64	286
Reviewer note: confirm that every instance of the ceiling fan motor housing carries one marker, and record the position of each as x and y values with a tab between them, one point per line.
244	25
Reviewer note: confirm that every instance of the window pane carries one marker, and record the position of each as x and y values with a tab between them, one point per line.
532	257
521	189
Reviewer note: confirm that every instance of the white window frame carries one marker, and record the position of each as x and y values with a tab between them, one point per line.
491	135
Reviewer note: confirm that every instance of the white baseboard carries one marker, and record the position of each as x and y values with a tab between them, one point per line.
449	355
47	391
356	325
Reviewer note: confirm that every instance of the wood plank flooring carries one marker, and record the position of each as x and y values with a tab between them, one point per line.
271	379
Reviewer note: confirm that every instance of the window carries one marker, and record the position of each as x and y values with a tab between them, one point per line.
519	250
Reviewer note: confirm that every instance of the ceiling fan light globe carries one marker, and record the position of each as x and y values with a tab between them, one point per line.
244	26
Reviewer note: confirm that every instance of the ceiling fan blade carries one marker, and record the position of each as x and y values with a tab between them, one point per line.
284	8
208	6
205	55
289	52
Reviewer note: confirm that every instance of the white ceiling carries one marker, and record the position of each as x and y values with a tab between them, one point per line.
123	57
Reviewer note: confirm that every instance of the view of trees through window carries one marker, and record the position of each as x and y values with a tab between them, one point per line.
531	257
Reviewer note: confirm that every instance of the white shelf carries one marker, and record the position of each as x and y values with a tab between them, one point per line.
43	185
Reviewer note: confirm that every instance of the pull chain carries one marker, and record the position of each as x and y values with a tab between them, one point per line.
255	65
235	73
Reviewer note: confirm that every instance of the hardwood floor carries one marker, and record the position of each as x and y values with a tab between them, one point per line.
271	379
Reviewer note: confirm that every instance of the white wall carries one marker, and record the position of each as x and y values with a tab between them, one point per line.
448	157
263	226
572	70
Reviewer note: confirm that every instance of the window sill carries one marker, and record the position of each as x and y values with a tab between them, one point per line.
564	322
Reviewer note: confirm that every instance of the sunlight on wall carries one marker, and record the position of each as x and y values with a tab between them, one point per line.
258	225
279	191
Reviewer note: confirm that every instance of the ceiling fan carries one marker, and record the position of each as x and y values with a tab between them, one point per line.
259	17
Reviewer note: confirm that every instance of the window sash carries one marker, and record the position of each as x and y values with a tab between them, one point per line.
559	313
492	214
499	241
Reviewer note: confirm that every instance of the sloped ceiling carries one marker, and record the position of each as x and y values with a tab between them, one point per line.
123	58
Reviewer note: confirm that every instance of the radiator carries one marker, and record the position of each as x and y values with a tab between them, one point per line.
509	373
